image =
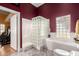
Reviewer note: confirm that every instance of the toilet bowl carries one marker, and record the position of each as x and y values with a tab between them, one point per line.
61	52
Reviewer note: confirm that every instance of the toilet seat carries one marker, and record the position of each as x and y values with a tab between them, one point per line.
61	52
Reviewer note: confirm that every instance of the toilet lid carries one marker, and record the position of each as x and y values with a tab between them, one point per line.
61	52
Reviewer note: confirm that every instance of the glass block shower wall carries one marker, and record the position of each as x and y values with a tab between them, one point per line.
40	26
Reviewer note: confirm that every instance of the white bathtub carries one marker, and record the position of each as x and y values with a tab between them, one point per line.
68	45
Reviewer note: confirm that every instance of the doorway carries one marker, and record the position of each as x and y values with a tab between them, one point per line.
12	29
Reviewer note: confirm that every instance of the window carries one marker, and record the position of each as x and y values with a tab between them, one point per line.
63	26
2	28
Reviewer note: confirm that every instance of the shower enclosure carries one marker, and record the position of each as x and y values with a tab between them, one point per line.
35	31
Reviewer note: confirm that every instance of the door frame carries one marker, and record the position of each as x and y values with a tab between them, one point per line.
18	23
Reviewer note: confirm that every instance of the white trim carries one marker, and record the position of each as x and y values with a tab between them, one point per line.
18	32
8	10
18	22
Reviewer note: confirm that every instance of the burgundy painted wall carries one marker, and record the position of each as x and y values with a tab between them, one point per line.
11	6
28	10
54	10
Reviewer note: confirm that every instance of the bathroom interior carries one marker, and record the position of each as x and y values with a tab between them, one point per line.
54	29
48	29
60	43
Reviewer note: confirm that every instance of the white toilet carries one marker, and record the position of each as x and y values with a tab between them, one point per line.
61	52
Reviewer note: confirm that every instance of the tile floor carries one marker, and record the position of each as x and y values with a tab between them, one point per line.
34	52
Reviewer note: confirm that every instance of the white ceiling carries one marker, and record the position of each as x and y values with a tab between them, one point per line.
37	4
